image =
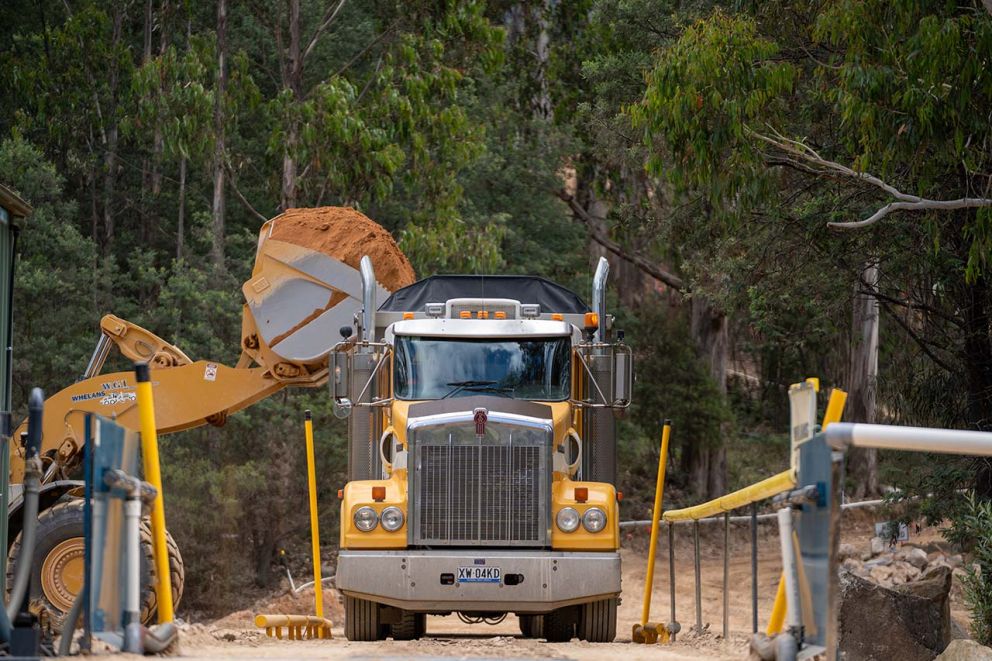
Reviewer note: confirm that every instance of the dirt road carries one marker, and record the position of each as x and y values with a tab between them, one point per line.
235	636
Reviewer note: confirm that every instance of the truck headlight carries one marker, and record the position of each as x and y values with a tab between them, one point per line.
365	519
567	519
391	519
594	519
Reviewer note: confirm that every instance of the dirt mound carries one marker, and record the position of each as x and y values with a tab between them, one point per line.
288	603
346	235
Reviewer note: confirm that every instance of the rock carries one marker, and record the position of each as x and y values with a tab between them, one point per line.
877	546
910	622
917	557
955	561
965	650
845	551
880	574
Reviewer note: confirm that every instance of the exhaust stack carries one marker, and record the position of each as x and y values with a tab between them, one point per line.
599	296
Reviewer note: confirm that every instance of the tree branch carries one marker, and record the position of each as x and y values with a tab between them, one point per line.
644	264
913	336
325	23
237	192
818	165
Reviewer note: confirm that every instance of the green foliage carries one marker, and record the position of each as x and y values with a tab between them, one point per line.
705	91
973	530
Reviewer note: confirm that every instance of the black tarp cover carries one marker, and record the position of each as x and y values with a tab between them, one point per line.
524	288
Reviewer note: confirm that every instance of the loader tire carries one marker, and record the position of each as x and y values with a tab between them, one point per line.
598	621
558	625
57	564
410	627
361	620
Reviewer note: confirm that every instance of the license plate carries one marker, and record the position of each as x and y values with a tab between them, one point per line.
479	574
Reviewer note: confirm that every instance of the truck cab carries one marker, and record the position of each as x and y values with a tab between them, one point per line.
482	457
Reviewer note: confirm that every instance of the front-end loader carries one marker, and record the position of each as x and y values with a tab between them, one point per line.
304	287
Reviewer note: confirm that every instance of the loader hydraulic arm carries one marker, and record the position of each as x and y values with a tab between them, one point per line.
135	343
304	287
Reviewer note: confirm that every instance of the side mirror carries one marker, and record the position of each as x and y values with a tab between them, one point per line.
623	375
339	382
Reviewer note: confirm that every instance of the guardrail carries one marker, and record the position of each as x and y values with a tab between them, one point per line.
803	397
803	621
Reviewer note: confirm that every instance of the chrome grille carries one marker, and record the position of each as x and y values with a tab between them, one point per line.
470	491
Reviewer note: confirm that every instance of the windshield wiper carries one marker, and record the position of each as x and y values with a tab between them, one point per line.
505	391
461	385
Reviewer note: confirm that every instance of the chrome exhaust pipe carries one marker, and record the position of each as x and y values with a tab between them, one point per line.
599	296
368	299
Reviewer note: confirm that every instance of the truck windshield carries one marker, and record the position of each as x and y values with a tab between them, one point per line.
437	368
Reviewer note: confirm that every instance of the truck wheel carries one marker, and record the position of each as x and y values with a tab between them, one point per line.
530	625
410	627
58	565
361	620
598	621
559	625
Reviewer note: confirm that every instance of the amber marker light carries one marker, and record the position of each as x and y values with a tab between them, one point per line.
378	494
557	316
483	314
500	315
592	320
465	314
408	315
581	494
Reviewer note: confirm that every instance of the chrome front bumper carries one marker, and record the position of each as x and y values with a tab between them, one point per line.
412	580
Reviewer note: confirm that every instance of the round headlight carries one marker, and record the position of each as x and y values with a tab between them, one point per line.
391	518
594	519
366	519
567	519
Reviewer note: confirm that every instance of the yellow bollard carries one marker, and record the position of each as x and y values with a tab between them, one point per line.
318	588
835	407
153	475
777	619
645	632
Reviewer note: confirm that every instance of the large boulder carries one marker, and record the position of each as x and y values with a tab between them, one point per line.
966	650
910	622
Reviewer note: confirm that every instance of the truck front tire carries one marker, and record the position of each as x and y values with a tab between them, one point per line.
361	620
558	626
598	621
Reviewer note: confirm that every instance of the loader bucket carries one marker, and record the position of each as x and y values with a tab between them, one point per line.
306	285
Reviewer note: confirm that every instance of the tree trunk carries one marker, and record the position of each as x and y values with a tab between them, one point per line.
862	381
542	49
158	142
977	361
217	224
181	221
110	159
709	330
293	80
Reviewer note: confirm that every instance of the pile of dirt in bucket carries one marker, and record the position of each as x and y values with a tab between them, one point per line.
346	235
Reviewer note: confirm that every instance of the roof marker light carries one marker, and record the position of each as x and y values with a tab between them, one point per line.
465	314
557	316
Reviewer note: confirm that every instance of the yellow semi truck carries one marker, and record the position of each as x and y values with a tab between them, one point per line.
482	457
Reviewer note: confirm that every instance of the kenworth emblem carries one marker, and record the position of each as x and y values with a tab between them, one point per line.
481	417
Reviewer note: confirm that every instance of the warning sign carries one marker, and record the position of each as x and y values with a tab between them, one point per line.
210	372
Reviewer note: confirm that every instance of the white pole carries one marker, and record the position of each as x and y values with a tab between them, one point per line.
842	435
132	582
793	616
